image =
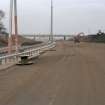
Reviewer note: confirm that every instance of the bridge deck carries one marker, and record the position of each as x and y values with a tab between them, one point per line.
71	75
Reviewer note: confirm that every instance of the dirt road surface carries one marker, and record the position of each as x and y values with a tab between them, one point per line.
68	75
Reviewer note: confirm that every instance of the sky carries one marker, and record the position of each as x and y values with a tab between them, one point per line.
70	16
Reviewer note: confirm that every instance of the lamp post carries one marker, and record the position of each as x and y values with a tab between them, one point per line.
51	33
10	27
13	5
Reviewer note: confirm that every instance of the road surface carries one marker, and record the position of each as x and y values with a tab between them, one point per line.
68	75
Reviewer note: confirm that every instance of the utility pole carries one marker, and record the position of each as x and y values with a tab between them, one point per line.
51	33
10	28
16	25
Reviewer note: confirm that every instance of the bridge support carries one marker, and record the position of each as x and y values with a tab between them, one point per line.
16	25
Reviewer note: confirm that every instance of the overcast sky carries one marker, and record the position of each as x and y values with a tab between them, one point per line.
70	16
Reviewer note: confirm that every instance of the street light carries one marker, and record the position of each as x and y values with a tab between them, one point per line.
51	33
10	27
13	5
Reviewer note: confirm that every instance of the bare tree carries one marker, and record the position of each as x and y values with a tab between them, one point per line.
2	15
2	28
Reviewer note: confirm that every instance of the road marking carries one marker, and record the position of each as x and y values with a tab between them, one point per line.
53	100
54	95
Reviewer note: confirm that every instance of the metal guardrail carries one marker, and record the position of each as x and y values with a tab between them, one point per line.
34	52
21	48
5	49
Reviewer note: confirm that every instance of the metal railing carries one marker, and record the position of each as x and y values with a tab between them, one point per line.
34	52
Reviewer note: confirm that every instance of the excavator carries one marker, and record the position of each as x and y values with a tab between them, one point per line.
77	37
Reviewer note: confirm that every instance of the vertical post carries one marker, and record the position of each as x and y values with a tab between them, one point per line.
64	37
16	25
34	38
51	33
10	28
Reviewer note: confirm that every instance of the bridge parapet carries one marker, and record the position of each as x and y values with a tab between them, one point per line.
15	58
